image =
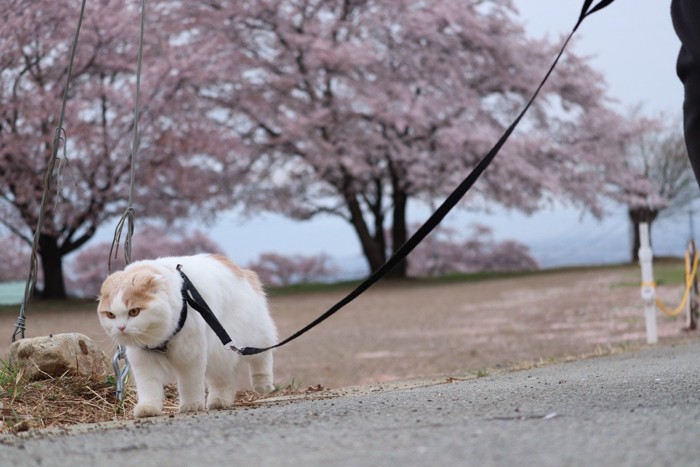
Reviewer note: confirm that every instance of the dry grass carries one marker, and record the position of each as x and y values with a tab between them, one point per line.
68	400
57	402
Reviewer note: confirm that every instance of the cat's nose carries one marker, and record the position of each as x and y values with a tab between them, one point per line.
121	327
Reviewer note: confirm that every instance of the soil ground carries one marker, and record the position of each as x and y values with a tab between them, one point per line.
415	329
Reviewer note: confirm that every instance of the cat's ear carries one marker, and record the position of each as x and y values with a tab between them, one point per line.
149	282
110	285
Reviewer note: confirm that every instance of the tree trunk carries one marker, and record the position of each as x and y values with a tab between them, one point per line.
637	216
374	253
399	233
374	246
52	267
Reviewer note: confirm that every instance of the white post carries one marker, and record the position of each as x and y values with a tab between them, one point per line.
648	287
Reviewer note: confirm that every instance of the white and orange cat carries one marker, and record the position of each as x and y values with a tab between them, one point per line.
140	307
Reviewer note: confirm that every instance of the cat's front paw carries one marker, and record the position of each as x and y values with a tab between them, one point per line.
262	383
218	403
264	388
191	407
146	410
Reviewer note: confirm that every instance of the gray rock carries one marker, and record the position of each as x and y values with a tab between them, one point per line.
55	355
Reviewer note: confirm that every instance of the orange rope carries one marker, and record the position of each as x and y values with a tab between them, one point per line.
689	278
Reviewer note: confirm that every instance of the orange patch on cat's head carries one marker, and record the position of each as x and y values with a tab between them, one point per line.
110	288
144	283
137	285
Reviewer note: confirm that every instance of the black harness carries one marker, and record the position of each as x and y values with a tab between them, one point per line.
191	297
163	346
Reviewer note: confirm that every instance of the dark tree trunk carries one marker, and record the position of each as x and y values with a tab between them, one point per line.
374	246
399	233
373	254
371	247
637	216
52	267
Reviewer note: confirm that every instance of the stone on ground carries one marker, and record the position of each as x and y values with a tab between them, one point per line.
70	354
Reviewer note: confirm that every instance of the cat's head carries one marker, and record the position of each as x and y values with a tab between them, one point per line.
135	308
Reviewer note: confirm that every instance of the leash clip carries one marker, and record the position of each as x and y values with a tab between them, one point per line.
235	349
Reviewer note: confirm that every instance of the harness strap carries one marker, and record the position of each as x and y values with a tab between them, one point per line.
191	296
180	322
198	303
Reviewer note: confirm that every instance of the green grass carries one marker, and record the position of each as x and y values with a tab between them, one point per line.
49	306
8	374
495	275
317	287
667	271
10	381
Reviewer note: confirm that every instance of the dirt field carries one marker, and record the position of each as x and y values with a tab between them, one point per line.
409	330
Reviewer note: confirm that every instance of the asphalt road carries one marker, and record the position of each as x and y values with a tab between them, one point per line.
632	409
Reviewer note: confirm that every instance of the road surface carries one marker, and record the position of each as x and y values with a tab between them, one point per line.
630	409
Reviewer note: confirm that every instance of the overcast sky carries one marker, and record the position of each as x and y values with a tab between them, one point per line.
631	42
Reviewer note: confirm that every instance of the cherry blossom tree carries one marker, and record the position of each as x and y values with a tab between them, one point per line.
447	251
88	269
14	266
186	164
356	108
342	107
277	269
658	179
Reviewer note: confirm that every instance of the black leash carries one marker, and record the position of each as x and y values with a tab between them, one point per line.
432	222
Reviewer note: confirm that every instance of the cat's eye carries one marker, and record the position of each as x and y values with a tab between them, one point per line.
109	314
134	312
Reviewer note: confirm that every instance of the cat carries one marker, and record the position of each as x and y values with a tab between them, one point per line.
140	307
